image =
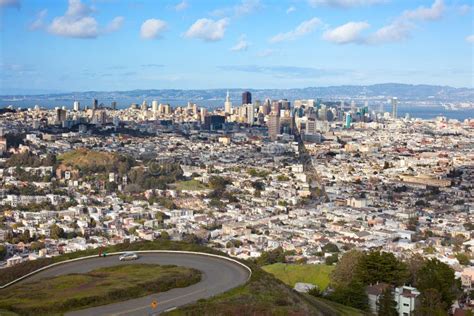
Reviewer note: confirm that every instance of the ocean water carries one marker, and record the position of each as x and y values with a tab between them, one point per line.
423	112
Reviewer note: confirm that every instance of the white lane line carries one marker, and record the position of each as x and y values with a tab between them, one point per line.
159	303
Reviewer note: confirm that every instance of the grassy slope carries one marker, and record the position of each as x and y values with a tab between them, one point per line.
86	158
98	287
290	274
190	185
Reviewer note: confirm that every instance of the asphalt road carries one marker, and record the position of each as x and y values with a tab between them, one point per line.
218	276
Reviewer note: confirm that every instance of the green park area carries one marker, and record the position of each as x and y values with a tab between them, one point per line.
190	185
98	287
317	274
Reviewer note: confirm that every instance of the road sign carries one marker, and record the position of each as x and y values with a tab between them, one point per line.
154	304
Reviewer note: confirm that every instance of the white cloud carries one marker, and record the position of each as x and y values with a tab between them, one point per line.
344	3
470	39
115	24
247	7
290	9
38	23
10	3
208	29
402	26
76	22
394	32
304	28
152	28
183	5
422	13
241	45
347	33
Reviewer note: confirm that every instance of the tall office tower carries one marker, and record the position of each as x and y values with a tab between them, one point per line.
353	106
227	104
195	109
76	106
246	97
154	106
273	124
95	104
250	114
394	102
266	108
60	115
144	105
285	104
348	120
167	109
203	115
113	105
276	107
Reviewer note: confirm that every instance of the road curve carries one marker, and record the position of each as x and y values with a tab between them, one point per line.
218	276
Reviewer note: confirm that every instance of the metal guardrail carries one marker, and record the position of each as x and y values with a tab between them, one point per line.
122	252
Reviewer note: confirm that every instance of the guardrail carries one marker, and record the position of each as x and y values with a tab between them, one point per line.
122	252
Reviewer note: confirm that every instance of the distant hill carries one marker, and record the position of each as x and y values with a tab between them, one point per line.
406	92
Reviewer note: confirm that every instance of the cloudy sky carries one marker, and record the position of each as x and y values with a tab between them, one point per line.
78	45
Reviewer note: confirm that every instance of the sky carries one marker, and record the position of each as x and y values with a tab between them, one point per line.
105	45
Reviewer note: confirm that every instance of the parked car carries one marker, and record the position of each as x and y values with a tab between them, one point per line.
128	256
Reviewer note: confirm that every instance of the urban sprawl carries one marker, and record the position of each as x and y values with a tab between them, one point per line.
245	178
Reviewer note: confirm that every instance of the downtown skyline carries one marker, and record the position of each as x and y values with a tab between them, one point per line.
123	45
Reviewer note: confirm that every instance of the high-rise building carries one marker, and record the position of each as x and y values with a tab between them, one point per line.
394	102
273	124
144	106
76	106
95	104
154	106
250	114
60	115
113	105
246	97
348	120
228	104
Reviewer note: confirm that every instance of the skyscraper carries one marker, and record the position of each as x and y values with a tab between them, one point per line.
76	106
394	102
95	104
227	104
246	97
273	124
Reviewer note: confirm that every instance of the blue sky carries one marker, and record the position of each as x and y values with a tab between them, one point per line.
79	45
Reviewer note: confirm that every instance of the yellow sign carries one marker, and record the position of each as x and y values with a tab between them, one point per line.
154	304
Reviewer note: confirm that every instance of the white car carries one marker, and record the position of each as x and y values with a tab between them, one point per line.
128	256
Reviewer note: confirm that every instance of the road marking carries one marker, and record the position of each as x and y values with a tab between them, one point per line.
161	303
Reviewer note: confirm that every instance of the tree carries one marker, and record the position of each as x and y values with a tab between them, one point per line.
430	304
330	247
439	277
353	295
3	252
414	265
344	272
386	304
164	235
270	257
332	259
463	259
379	266
56	232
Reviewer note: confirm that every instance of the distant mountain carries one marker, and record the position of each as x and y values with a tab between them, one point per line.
405	92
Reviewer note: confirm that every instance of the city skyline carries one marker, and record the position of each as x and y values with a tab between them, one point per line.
125	45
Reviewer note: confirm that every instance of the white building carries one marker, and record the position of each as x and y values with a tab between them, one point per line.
405	296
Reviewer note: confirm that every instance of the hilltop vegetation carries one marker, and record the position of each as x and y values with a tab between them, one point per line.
98	287
290	274
90	161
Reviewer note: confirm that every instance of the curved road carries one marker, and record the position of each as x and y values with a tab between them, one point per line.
218	276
